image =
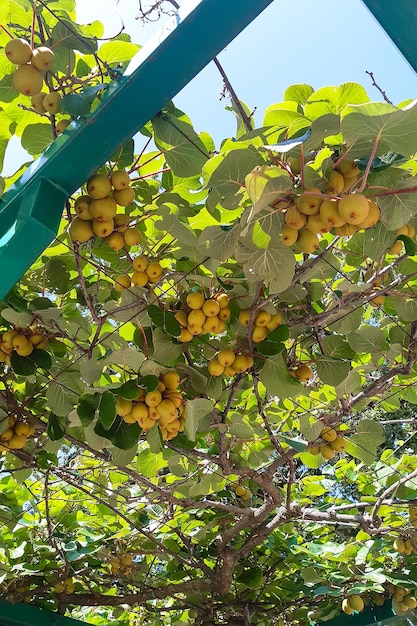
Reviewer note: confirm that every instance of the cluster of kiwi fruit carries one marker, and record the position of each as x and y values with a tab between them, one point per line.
164	406
97	211
332	442
23	342
352	603
406	546
121	564
227	363
340	210
16	435
145	273
28	77
263	322
201	315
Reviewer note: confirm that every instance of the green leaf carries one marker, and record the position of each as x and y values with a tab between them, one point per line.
195	411
117	51
334	100
336	346
406	308
62	392
165	320
79	104
409	245
129	390
298	93
41	358
368	339
148	463
170	223
22	365
251	577
36	138
218	243
57	275
273	344
107	410
274	375
395	128
332	371
226	173
376	241
166	350
86	408
397	208
122	435
69	35
298	444
184	151
275	266
149	382
362	445
266	184
154	439
55	430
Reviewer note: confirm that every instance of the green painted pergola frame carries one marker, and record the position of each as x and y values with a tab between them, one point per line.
26	615
32	208
30	211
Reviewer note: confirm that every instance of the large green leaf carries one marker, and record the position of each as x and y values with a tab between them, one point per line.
36	138
196	410
226	173
395	129
362	445
184	151
277	380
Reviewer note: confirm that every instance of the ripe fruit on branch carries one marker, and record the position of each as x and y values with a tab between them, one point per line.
36	102
294	218
354	208
119	179
328	434
98	186
52	103
103	229
329	213
18	51
124	196
80	230
132	236
103	209
43	59
62	125
307	241
82	207
310	200
336	183
27	80
122	282
289	235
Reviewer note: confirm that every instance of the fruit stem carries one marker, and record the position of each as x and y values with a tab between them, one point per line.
32	30
369	164
7	31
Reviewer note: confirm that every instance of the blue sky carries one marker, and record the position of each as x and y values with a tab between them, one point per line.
319	42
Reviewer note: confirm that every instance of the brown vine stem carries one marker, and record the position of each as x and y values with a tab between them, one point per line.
245	118
384	494
375	84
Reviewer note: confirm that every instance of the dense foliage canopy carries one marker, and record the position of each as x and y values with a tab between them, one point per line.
207	384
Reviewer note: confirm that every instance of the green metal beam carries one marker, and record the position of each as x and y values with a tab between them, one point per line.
26	615
30	210
399	19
